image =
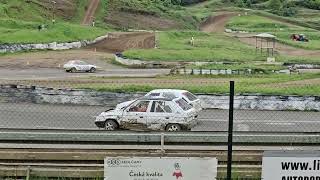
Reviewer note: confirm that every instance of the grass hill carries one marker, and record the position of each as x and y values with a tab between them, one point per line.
20	19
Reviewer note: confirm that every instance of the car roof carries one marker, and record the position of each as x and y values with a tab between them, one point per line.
168	90
75	61
157	98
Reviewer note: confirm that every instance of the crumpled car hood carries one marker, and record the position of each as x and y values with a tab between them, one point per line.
124	104
112	112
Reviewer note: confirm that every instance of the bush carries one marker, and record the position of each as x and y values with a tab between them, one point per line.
187	2
312	4
275	6
290	11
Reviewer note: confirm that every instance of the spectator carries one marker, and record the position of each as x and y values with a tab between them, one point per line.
93	23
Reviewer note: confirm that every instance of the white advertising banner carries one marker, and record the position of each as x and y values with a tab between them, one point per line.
291	165
160	168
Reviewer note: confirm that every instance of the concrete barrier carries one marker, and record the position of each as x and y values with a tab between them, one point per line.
38	95
5	48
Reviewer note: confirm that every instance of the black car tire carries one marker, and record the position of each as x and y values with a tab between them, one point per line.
73	70
173	127
110	125
92	70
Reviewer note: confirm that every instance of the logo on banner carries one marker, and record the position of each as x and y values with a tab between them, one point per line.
177	172
113	162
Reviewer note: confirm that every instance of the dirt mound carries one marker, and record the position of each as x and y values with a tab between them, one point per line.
121	41
139	21
216	23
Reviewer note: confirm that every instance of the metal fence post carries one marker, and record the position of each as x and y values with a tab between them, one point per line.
230	131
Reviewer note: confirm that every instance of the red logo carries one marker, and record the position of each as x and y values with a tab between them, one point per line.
177	172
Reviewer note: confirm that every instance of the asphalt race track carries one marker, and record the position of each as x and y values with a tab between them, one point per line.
45	116
47	73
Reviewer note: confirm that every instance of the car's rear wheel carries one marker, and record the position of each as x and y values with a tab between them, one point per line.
73	70
173	127
92	70
110	125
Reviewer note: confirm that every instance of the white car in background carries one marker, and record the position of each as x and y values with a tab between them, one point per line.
190	98
169	114
79	66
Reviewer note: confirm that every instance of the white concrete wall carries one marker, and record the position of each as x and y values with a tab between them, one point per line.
40	95
4	48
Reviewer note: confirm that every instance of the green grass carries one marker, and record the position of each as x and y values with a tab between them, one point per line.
262	84
19	21
199	11
313	44
255	23
15	31
80	11
301	19
175	46
283	31
101	13
21	10
242	66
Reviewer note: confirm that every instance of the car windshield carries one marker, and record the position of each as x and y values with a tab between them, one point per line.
183	104
77	62
141	106
190	96
154	94
82	63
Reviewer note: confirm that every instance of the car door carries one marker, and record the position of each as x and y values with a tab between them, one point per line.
135	116
83	66
161	113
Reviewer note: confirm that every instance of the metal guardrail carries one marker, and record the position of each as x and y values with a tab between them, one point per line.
158	137
79	153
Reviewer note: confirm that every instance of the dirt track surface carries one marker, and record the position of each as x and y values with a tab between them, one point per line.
216	23
64	78
92	7
49	65
52	59
139	21
120	41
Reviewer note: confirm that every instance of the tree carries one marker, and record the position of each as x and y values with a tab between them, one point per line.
240	3
275	5
176	2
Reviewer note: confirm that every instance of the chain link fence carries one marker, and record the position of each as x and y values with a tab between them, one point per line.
74	104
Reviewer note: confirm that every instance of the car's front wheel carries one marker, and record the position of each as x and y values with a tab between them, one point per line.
92	70
173	127
110	125
73	70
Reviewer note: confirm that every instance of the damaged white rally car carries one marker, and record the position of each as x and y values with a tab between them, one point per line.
153	113
79	66
190	98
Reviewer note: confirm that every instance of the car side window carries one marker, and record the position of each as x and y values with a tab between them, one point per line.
160	107
141	106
